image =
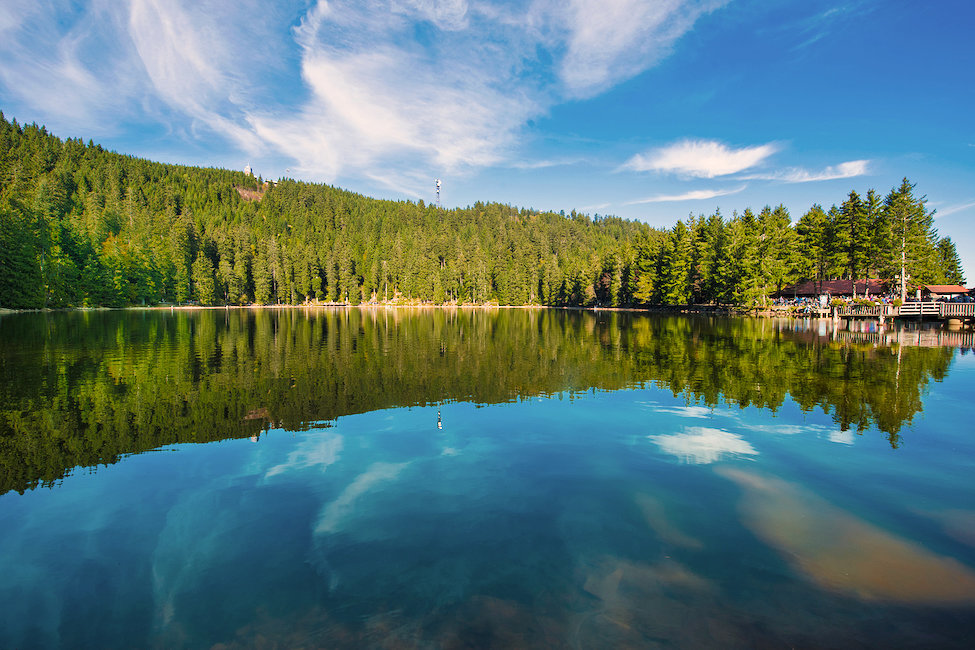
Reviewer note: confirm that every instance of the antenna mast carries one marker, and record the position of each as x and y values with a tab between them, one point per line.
438	193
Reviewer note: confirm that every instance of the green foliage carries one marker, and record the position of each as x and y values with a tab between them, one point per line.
949	263
204	285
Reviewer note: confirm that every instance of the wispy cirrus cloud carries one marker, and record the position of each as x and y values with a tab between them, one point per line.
191	63
65	61
378	105
546	164
333	515
818	26
384	89
952	209
700	158
693	195
607	41
849	169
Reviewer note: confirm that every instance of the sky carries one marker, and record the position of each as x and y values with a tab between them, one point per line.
651	110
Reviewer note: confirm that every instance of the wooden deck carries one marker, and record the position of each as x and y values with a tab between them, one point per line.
924	338
933	310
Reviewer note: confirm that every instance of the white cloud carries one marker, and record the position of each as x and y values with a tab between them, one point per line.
953	209
693	195
15	14
814	28
318	450
545	164
69	66
393	90
382	105
700	158
335	512
195	63
445	14
608	41
849	169
842	437
703	445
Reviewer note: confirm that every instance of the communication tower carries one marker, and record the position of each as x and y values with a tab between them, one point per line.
438	192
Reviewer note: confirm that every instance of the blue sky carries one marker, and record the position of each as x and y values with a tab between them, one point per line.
650	110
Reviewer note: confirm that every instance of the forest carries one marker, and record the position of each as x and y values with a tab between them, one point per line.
81	226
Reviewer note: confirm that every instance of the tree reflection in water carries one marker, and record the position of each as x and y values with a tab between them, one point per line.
82	389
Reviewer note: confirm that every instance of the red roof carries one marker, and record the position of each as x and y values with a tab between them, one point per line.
945	288
834	287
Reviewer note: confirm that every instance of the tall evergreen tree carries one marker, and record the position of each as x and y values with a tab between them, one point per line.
855	246
949	263
913	235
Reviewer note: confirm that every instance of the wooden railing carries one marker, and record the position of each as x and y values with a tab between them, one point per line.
957	309
934	309
919	309
925	338
867	311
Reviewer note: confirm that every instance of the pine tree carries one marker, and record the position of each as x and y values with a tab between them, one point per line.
854	220
204	284
676	262
262	278
949	263
913	235
776	249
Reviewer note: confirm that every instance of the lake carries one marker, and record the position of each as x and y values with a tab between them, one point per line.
351	478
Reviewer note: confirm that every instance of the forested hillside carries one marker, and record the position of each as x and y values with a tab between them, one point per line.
82	226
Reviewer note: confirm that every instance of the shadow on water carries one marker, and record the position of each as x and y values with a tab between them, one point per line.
83	389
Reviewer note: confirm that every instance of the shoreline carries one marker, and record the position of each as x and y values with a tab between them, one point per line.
689	310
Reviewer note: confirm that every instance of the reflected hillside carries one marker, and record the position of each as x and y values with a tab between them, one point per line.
82	389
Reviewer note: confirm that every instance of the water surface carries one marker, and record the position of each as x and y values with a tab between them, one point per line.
395	478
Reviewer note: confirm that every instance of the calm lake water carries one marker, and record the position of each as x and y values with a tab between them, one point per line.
463	479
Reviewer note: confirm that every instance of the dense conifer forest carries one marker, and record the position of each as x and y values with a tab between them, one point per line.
82	226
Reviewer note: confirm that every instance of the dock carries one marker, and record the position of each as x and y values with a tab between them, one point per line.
945	311
922	338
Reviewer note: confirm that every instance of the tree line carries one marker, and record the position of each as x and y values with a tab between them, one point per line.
82	226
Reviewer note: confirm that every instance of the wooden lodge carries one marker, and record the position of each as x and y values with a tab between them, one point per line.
835	289
942	291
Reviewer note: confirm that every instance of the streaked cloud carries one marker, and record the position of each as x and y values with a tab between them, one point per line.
607	41
703	445
849	169
691	411
821	25
815	430
546	164
391	90
700	158
333	515
952	209
693	195
317	450
67	63
190	62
